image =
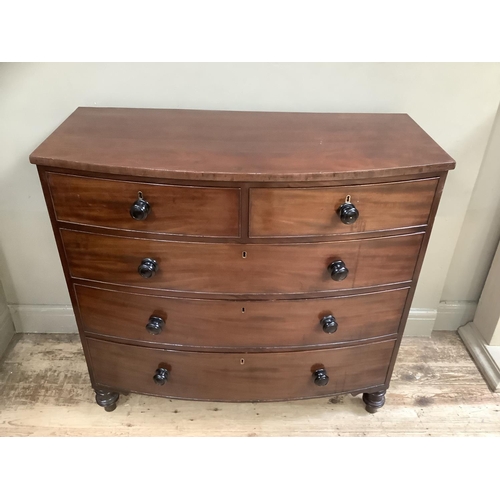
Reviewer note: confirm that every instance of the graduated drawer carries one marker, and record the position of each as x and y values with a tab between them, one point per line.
237	268
239	377
314	211
241	324
181	210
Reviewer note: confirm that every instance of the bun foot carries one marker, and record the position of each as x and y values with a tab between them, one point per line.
106	399
374	401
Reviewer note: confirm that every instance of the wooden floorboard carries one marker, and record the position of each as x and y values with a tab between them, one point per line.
436	391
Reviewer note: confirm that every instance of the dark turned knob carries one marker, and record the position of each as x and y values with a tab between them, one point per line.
329	324
155	325
161	376
338	270
148	268
140	209
320	377
348	213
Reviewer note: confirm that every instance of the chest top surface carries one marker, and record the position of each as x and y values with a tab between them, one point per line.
241	146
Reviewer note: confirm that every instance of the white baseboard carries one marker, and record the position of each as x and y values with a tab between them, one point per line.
453	315
421	322
448	316
487	358
43	319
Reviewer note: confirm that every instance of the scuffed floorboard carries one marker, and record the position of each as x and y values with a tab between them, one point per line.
436	390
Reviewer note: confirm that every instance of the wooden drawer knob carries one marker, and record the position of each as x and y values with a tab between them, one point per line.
348	213
320	377
338	270
161	376
155	325
148	268
140	208
329	324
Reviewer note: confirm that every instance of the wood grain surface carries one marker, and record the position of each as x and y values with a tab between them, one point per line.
239	324
239	376
184	210
313	211
436	390
221	268
241	146
247	176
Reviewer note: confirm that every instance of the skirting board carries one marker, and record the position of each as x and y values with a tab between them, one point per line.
453	315
448	316
487	358
43	319
421	322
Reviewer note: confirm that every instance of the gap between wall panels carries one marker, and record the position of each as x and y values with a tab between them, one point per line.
421	322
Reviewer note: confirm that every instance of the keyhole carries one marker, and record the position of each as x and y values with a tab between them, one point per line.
244	255
242	361
140	195
242	309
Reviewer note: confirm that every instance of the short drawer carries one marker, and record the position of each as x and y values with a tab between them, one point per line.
242	324
179	210
238	268
281	212
238	377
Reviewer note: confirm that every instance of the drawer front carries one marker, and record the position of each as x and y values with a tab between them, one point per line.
314	211
242	324
239	377
236	268
182	210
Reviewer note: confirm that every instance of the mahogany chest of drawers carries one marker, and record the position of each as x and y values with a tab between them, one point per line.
240	256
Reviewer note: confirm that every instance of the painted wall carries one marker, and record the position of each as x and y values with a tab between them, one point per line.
480	232
454	103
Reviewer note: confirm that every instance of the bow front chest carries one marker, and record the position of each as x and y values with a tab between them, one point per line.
240	256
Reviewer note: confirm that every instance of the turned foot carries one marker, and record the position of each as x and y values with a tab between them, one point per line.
374	401
106	399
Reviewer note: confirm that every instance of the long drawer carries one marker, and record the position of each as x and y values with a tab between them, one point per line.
239	377
239	268
285	212
243	324
184	210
